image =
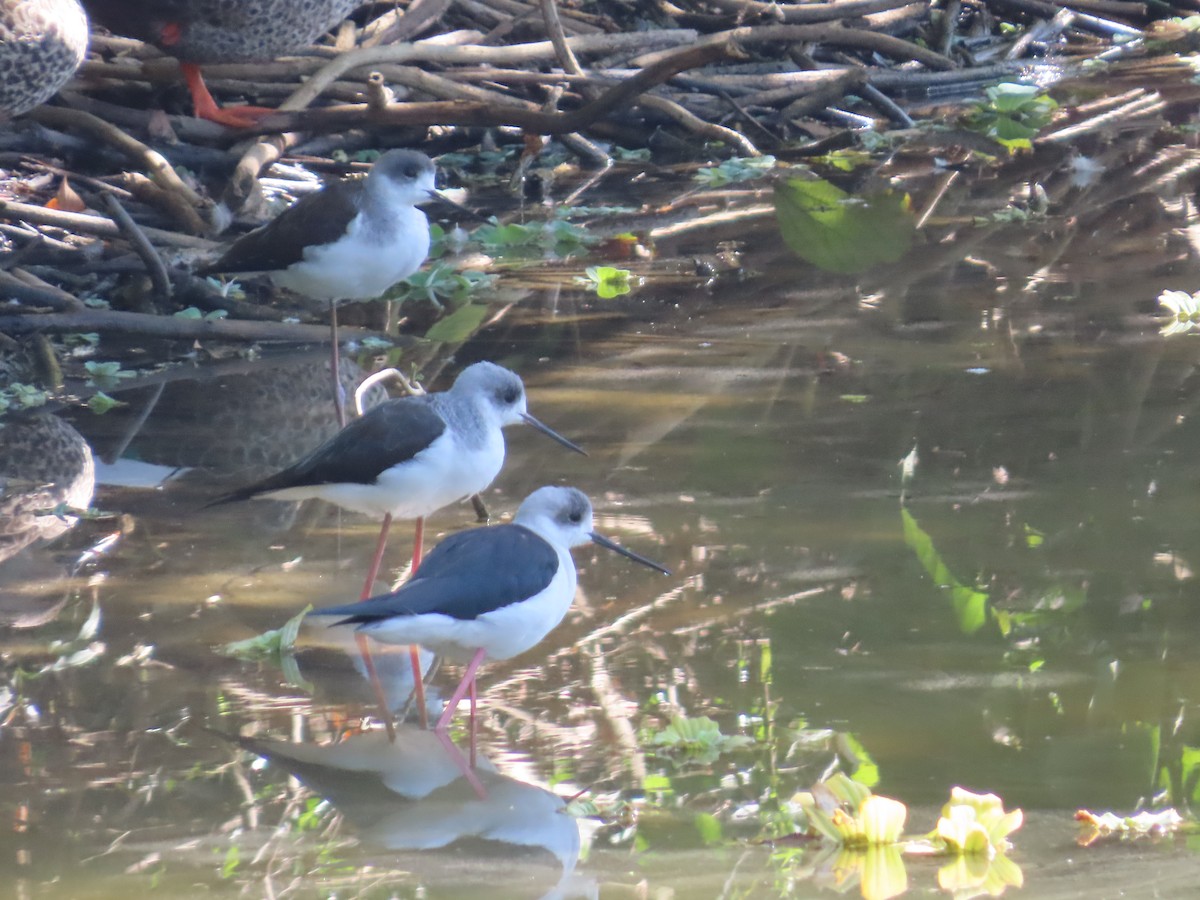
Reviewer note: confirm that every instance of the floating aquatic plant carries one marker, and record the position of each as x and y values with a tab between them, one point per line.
606	281
976	824
846	812
974	876
1096	826
1183	311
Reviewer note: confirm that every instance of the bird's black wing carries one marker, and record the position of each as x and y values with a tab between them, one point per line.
467	575
315	219
391	433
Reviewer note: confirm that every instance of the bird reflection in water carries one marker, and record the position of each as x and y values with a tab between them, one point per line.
420	794
46	473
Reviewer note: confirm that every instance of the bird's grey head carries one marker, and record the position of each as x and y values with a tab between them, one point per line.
500	396
562	515
495	389
407	176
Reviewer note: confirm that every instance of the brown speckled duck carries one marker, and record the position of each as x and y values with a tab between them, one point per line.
222	31
42	43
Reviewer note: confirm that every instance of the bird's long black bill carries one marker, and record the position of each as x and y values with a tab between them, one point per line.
465	210
628	554
551	433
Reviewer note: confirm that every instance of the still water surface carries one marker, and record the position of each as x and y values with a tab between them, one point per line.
748	433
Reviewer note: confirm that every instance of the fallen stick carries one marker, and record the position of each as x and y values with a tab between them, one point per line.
96	226
11	285
809	13
142	246
170	327
156	164
835	35
510	55
335	118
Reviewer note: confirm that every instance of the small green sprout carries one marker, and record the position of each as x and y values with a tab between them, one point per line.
696	740
105	373
1013	114
100	403
606	281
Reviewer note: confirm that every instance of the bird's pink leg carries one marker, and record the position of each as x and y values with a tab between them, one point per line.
380	697
339	405
467	772
472	720
377	560
418	540
413	650
460	691
364	647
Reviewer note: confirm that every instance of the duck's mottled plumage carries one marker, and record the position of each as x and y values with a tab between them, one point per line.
42	43
223	31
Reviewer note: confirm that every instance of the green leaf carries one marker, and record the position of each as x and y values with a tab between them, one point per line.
970	605
1010	97
232	859
607	281
100	403
834	231
270	644
459	325
709	828
190	313
657	784
865	770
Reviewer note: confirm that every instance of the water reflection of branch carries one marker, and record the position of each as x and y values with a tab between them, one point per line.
757	609
613	705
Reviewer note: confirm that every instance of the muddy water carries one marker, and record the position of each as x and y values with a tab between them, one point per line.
1016	614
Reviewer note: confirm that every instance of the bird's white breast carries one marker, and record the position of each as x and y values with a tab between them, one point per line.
365	262
501	633
443	473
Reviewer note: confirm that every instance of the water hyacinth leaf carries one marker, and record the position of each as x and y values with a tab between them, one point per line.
835	231
1011	96
882	819
698	739
976	823
970	605
459	325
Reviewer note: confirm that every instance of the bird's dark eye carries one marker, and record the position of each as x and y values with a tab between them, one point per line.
510	395
410	172
576	517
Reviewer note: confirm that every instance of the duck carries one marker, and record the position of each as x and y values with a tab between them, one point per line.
42	43
198	32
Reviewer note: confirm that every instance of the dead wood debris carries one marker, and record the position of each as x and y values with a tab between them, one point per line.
448	74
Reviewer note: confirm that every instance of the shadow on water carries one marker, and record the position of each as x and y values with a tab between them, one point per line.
1018	617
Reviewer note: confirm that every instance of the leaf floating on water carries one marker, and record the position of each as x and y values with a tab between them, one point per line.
270	644
698	739
833	230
